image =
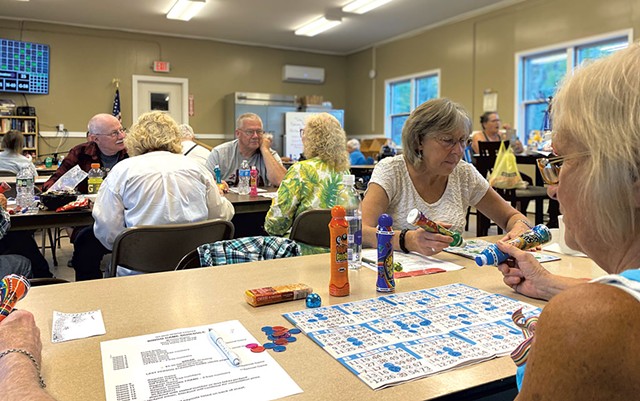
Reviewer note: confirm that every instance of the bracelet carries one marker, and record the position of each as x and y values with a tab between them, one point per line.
401	240
33	359
525	222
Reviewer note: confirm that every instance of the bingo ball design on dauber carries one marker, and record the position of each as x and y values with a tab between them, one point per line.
384	235
12	289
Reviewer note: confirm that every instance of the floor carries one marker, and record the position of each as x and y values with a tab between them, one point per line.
65	251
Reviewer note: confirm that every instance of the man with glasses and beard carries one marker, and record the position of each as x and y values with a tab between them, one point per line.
253	145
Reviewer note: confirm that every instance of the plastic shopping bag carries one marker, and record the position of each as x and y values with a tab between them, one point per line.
505	172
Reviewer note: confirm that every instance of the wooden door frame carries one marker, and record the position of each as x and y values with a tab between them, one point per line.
137	79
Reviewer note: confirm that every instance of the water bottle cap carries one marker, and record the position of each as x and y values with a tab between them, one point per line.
95	165
338	211
385	220
348	179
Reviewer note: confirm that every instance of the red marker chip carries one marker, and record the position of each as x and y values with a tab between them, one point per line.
251	346
257	349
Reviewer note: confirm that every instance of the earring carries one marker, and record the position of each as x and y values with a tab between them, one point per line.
419	153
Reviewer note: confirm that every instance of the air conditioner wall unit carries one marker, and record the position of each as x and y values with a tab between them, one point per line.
302	74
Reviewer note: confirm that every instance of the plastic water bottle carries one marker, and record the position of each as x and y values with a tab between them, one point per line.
96	176
350	200
216	171
25	193
254	181
244	175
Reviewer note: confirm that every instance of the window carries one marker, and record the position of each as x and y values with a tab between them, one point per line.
540	72
405	94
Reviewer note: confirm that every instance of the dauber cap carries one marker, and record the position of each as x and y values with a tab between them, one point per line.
338	211
385	220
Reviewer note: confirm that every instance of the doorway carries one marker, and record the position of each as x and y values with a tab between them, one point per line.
170	95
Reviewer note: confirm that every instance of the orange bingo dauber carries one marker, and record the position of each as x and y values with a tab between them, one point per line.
13	288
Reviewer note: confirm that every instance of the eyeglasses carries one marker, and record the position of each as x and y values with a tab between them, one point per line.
550	167
449	142
251	132
301	132
115	133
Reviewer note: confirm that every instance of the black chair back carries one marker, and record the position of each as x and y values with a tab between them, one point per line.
311	227
159	248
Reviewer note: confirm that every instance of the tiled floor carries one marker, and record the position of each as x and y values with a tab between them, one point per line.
65	252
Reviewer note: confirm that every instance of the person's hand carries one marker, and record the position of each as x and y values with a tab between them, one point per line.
223	187
426	243
3	201
516	231
526	276
265	141
19	330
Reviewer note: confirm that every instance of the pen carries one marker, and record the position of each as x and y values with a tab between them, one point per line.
222	346
373	262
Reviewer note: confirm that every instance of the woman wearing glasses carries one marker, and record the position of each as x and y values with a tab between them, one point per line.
430	176
585	345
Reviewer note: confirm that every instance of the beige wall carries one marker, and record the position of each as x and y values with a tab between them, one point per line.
472	55
84	62
478	53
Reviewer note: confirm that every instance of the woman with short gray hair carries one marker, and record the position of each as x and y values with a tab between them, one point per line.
431	177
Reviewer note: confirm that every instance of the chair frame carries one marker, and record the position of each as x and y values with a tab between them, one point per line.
159	248
311	227
484	163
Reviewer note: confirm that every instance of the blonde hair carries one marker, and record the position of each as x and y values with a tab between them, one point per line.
598	109
152	132
433	117
324	138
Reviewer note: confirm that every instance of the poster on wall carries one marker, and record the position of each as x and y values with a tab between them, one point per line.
294	122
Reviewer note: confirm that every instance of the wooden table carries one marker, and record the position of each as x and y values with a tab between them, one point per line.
152	303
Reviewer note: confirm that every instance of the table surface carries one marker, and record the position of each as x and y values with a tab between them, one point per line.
139	305
50	219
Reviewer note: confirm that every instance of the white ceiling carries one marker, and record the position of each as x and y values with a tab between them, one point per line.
256	22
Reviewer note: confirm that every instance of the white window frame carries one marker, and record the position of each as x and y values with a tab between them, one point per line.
387	97
570	48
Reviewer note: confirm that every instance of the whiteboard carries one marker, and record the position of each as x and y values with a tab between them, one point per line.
293	123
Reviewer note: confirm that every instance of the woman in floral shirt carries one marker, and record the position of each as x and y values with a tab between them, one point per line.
315	183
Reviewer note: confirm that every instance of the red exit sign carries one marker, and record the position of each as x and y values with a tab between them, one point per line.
161	66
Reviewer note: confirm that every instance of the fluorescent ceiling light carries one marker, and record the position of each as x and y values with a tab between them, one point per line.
317	26
185	9
363	6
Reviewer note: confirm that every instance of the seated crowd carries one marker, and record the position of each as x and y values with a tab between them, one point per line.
583	348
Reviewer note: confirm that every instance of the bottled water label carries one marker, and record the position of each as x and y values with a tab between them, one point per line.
354	239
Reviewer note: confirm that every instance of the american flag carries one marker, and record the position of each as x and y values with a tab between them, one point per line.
116	105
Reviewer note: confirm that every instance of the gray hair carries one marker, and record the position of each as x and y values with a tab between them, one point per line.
186	131
247	116
598	109
353	144
433	117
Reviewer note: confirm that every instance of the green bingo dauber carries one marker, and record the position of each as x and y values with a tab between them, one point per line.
417	218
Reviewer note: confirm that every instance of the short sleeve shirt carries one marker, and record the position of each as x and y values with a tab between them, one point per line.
465	187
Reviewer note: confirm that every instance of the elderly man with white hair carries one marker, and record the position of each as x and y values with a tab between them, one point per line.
190	148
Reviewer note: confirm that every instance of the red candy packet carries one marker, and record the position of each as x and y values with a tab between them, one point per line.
4	187
75	205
